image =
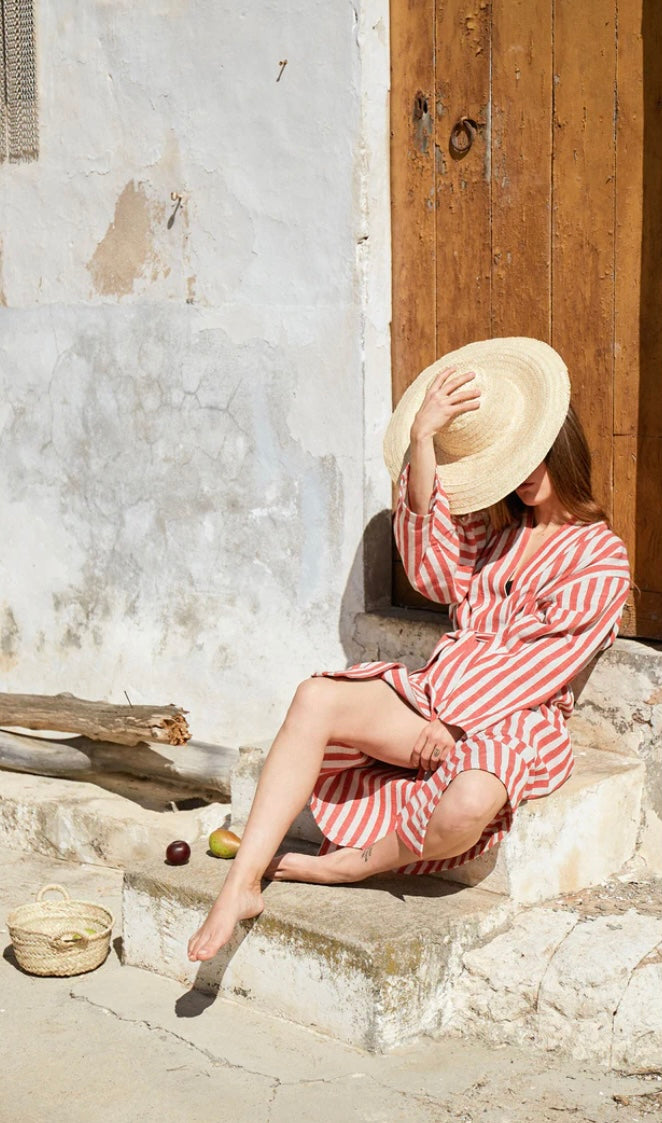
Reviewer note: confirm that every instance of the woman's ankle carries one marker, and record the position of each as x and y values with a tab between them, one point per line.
238	880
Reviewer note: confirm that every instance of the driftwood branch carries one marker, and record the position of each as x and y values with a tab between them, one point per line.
202	767
99	721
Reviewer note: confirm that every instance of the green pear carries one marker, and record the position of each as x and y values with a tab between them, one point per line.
224	844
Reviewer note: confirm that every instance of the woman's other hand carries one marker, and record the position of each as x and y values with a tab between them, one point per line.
433	745
449	395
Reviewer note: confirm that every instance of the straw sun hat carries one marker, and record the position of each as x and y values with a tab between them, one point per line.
485	454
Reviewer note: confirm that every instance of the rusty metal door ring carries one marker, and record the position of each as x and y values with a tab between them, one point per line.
462	137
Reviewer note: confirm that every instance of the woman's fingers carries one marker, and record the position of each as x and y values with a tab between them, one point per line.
453	385
465	393
422	751
415	757
439	752
447	396
454	395
432	746
464	404
441	378
448	381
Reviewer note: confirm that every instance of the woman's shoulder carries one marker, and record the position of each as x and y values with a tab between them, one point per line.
601	543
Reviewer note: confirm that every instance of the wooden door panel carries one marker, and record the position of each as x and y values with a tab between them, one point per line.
649	523
462	62
583	220
629	174
413	336
638	308
521	167
414	322
650	319
625	504
627	264
648	541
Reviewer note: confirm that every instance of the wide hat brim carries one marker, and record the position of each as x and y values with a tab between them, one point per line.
485	454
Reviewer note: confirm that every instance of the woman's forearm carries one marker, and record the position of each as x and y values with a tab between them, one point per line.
422	470
447	396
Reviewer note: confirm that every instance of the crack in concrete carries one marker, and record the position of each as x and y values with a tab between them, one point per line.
536	1004
612	1044
271	1102
421	1098
168	1033
277	1082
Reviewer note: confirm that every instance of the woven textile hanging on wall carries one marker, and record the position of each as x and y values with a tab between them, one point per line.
19	124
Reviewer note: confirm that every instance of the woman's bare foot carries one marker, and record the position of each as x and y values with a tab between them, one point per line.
232	905
338	868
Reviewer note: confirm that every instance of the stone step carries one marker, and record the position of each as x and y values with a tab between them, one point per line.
113	822
575	838
373	965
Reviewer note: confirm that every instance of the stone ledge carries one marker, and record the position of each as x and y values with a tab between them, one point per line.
372	965
409	636
404	635
85	822
574	976
577	837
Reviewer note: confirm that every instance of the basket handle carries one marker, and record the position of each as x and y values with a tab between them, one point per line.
60	889
69	939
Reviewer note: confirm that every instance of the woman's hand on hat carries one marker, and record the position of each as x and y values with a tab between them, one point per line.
433	745
449	395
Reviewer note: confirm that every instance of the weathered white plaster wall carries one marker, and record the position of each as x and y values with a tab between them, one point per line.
186	470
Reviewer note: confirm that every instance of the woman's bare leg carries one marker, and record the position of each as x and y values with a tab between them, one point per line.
367	715
469	803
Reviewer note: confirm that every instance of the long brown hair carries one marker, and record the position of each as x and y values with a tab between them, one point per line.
569	465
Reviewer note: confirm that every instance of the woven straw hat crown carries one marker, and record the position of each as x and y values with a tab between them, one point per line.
484	454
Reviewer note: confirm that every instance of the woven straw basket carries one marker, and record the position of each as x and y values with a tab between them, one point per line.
60	937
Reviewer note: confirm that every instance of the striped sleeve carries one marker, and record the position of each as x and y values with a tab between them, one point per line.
540	651
439	552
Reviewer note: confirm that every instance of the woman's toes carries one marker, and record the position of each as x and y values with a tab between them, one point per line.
205	943
220	924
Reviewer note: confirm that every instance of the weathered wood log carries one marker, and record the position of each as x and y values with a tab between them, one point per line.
100	721
203	768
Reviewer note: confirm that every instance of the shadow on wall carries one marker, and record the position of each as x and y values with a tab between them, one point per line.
370	572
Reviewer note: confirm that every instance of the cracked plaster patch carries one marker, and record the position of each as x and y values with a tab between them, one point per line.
9	637
126	251
3	299
497	994
569	982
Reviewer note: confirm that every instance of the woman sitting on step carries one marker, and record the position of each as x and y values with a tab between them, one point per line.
419	772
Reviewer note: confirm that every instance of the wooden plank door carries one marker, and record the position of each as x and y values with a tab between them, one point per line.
549	225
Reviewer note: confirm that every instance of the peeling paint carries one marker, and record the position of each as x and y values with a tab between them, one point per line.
654	786
9	638
3	299
126	250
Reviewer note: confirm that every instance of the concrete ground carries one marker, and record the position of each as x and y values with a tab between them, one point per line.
124	1045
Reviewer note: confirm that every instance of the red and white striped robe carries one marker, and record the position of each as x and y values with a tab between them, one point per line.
502	675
